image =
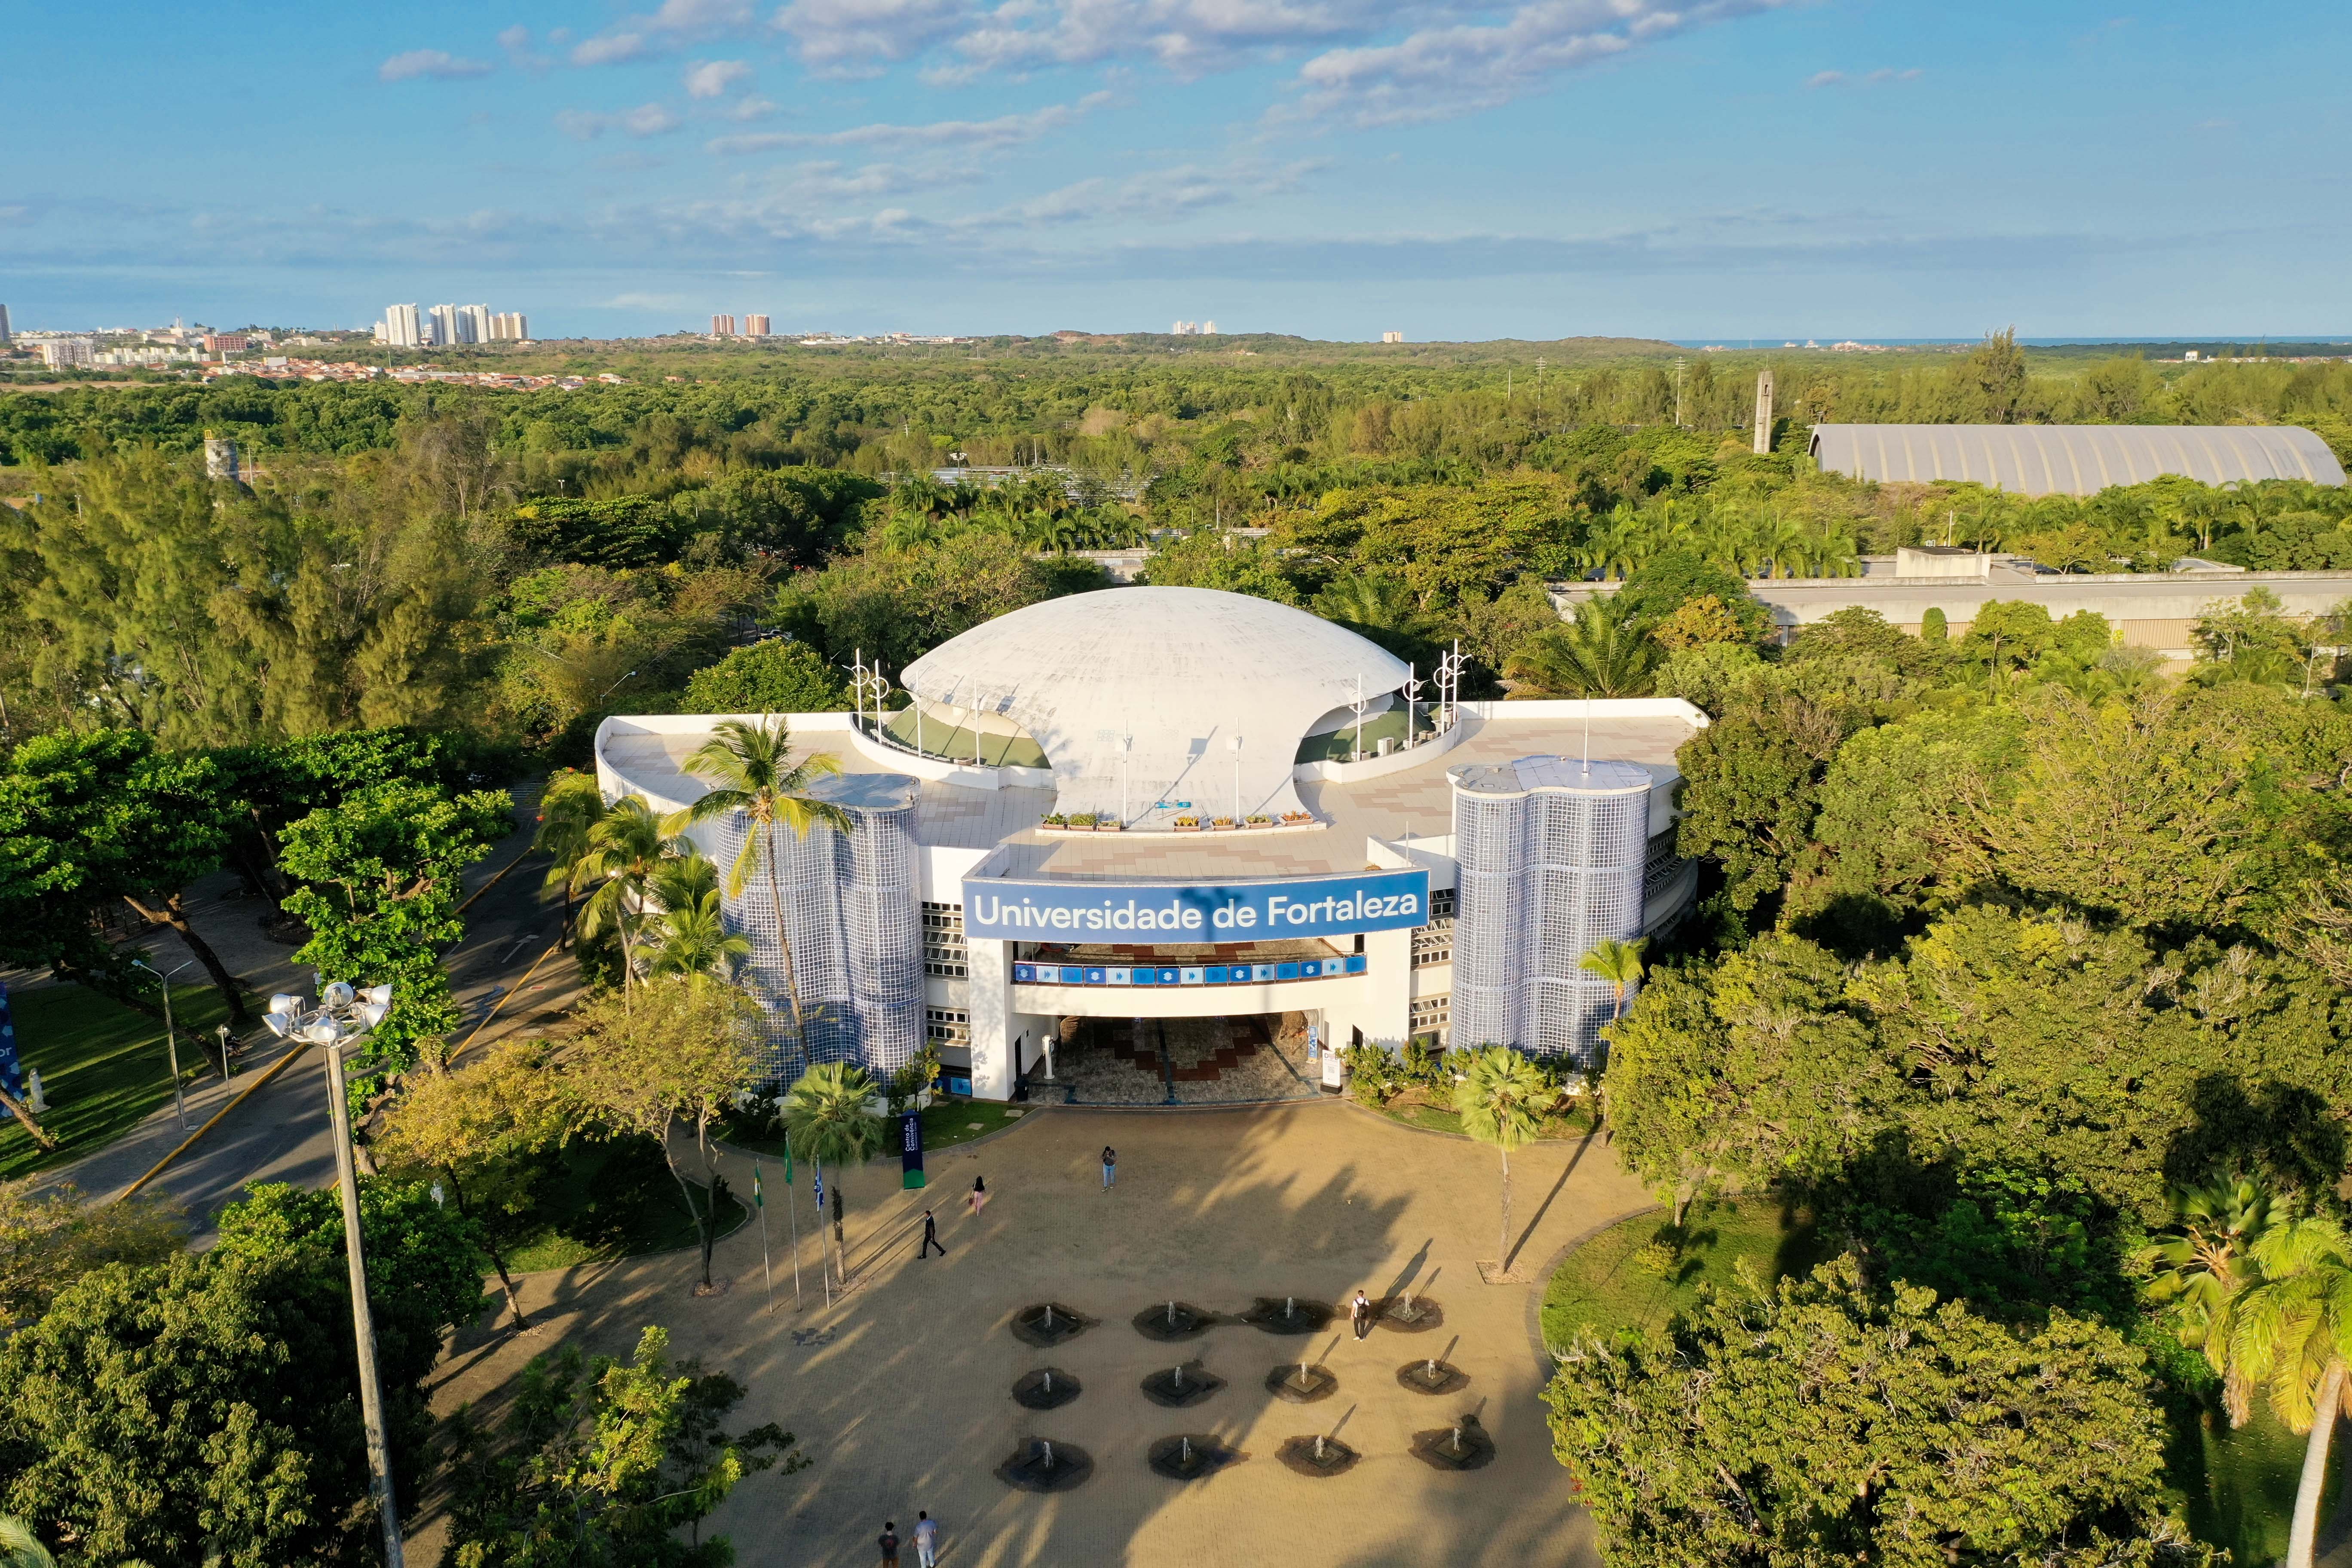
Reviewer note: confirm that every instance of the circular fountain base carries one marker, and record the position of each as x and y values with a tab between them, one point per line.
1046	1324
1409	1314
1029	1470
1171	1392
1188	1457
1445	1377
1289	1315
1302	1384
1298	1454
1463	1447
1047	1388
1170	1321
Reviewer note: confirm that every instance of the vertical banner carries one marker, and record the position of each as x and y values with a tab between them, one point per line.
910	1150
12	1069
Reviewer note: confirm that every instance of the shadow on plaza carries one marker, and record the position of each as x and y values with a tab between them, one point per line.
900	1393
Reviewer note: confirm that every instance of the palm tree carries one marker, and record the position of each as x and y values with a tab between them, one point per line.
20	1548
626	849
825	1118
2199	1263
2291	1334
1501	1099
1618	963
1598	654
693	938
569	809
751	769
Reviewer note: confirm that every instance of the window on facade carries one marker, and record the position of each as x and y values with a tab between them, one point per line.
944	953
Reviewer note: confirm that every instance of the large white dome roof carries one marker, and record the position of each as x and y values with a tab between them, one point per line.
1141	692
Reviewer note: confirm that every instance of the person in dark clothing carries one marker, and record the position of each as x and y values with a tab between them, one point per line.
889	1544
930	1237
1110	1167
1360	1312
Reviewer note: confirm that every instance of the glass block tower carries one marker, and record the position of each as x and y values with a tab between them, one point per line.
850	906
1551	852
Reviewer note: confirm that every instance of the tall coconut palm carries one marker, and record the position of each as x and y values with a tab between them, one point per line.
20	1548
751	768
626	849
569	810
1618	963
1597	653
2291	1334
1501	1101
825	1118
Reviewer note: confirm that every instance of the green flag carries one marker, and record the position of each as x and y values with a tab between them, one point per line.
788	1161
758	1201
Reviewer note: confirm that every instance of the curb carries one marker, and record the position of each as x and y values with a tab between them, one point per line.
279	1066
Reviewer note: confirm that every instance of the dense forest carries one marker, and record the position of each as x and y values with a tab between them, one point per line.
518	564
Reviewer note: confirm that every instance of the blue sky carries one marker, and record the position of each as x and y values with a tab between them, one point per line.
1720	170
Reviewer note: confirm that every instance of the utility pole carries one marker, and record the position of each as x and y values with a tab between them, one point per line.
171	1038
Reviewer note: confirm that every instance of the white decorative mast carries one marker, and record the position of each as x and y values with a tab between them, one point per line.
1359	705
1412	685
1449	686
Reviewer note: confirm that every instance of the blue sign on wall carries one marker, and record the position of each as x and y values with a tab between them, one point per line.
1149	913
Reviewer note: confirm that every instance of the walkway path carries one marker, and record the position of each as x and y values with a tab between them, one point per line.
901	1392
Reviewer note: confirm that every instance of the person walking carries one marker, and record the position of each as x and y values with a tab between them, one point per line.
1360	1312
889	1544
1110	1167
978	1197
930	1237
926	1540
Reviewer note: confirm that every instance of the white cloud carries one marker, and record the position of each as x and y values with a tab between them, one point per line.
1887	73
646	120
713	79
439	64
1437	72
1878	78
752	106
677	24
516	41
634	301
1005	130
1825	79
835	34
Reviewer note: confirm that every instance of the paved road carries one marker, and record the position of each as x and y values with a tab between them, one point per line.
280	1134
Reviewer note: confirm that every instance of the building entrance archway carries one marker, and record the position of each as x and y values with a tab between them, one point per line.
1221	1060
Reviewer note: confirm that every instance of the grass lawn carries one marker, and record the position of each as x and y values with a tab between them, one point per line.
946	1124
1608	1283
102	1065
599	1201
1414	1111
2241	1484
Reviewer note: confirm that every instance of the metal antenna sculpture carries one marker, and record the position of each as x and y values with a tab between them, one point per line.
1412	685
1449	686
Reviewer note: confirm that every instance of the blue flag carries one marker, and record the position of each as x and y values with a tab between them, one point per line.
817	1176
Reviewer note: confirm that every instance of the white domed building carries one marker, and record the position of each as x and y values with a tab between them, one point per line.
1145	839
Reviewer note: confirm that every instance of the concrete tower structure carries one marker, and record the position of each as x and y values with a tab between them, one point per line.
1764	412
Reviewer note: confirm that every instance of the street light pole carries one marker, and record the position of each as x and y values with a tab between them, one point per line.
379	1455
171	1040
344	1017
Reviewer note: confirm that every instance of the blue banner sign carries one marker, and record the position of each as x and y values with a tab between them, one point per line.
1151	912
12	1067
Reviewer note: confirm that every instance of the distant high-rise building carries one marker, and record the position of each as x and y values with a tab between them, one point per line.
445	326
755	326
509	327
1392	337
220	458
1183	330
722	326
6	340
404	328
225	343
473	323
59	353
1208	329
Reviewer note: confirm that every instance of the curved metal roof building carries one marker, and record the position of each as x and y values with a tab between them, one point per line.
2074	460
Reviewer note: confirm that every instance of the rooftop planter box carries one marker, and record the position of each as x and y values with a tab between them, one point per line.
1084	822
1297	818
1224	824
1188	825
1258	822
1053	819
1109	826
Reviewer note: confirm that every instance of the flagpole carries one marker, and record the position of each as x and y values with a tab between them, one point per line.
796	1215
760	1202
